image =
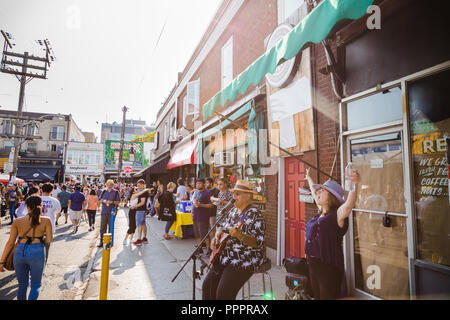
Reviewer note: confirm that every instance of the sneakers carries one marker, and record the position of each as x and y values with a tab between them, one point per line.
138	243
145	241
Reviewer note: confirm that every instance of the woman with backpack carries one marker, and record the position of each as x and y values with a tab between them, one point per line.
167	208
29	255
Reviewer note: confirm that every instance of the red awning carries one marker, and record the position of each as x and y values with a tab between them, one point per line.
183	154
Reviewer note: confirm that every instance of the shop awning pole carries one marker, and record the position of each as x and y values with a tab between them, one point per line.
276	146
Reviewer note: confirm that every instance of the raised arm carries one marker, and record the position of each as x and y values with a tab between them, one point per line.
311	182
345	210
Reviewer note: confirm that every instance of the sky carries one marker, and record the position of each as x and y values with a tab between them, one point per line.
110	54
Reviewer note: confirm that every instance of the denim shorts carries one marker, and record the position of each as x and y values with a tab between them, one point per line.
140	218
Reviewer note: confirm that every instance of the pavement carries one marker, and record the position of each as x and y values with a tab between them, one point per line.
66	266
146	272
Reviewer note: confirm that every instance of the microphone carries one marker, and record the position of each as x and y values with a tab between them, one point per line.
228	207
225	210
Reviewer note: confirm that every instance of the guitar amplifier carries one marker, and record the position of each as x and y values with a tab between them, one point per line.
296	281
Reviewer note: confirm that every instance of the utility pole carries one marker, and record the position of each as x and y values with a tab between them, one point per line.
25	73
122	138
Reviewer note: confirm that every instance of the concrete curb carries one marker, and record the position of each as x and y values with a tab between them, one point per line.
82	289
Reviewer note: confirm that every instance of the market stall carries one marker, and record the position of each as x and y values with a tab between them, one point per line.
183	226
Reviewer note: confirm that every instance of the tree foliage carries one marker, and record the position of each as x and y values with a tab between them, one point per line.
147	137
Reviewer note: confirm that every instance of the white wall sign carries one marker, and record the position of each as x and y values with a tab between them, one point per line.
285	71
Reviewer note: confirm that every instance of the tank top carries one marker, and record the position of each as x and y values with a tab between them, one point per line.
92	202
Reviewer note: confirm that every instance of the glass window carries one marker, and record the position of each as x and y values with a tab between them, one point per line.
227	63
429	101
57	133
376	109
32	147
7	127
379	160
290	6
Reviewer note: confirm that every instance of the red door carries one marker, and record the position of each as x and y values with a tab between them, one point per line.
295	210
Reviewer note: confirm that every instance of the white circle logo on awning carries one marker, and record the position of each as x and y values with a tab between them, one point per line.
285	71
36	175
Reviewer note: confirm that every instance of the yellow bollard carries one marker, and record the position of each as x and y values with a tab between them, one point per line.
107	237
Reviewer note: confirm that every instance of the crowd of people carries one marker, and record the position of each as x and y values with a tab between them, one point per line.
39	207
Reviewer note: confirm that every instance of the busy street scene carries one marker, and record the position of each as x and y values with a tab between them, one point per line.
247	151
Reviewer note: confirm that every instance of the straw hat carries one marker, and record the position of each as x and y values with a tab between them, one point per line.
244	186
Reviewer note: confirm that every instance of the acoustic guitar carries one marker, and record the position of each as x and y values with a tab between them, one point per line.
221	243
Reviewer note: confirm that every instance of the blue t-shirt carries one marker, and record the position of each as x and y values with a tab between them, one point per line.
202	214
76	199
63	197
111	196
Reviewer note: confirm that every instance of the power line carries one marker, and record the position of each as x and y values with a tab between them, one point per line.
155	47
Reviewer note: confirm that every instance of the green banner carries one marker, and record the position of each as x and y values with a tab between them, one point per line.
133	153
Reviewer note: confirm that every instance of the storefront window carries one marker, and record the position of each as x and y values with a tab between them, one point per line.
379	108
379	247
429	100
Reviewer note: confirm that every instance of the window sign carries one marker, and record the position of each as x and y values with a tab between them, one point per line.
429	100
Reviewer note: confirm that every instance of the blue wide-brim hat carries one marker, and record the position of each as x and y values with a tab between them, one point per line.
332	187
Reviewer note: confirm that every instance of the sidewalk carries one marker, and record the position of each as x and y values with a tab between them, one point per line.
145	272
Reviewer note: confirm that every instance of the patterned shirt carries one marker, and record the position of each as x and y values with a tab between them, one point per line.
236	253
227	196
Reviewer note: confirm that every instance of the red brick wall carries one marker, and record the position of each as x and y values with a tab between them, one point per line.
327	121
250	26
271	195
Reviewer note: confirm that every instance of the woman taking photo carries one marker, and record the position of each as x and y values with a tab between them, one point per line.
324	237
167	208
29	256
225	195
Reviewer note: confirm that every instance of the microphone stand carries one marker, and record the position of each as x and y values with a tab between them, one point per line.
196	274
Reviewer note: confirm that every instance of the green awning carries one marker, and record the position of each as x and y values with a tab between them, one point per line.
314	28
223	124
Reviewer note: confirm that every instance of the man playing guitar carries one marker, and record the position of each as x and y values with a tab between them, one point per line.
244	250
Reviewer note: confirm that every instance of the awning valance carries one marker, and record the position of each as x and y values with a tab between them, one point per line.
37	173
314	28
183	154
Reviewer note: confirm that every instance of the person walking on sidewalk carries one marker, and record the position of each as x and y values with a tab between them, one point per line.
50	206
76	204
167	208
243	252
109	199
29	256
12	200
141	212
324	237
63	198
92	207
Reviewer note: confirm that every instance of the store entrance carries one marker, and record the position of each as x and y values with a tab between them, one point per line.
294	209
379	222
